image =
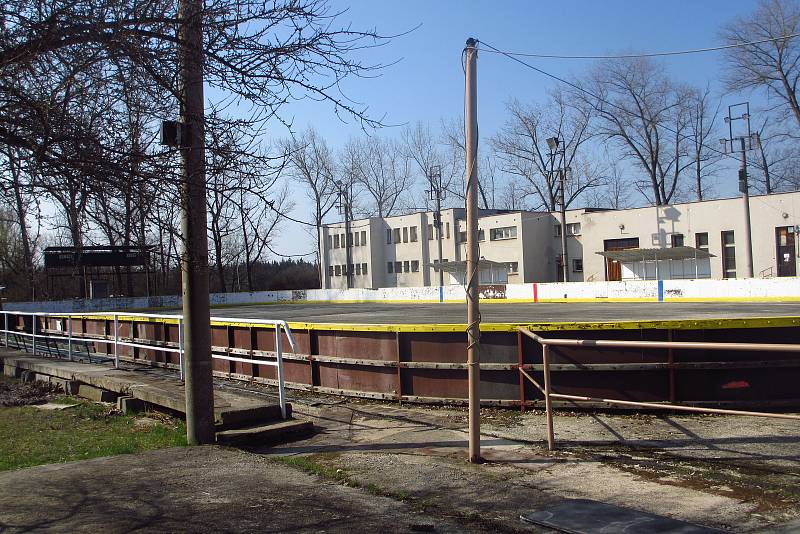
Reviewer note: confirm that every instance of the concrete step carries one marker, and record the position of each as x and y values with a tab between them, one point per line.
282	431
232	418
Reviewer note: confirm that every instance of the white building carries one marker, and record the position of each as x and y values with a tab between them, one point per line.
690	240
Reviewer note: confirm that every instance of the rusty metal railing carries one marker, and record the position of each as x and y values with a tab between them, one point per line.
546	388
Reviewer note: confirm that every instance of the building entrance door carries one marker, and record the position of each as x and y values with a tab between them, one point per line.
785	251
613	267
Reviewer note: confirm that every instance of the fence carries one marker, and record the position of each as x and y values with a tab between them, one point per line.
546	389
58	328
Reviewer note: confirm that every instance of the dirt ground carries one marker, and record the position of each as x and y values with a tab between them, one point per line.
735	473
16	393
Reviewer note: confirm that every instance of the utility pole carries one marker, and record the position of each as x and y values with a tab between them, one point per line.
346	208
437	194
194	261
553	143
743	143
473	314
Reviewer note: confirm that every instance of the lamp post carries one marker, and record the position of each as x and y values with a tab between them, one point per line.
553	144
346	208
741	144
436	193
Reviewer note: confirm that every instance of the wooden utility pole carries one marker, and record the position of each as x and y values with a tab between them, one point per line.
473	315
194	258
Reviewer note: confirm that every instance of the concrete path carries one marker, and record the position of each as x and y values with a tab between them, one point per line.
200	489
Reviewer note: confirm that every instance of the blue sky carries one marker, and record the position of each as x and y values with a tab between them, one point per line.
427	83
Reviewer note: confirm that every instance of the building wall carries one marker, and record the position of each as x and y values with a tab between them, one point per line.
537	246
653	226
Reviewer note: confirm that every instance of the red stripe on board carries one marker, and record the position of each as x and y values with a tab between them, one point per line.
535	293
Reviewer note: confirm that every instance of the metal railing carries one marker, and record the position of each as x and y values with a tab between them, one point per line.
546	388
64	333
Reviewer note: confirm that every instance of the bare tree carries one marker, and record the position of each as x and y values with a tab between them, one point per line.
311	163
638	106
615	193
429	154
773	65
381	170
701	128
523	150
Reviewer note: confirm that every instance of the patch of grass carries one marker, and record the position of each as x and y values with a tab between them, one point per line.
29	436
312	464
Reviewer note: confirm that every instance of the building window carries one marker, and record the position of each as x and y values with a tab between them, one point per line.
447	227
396	235
676	240
356	240
336	241
338	270
701	241
389	267
364	269
556	230
430	232
573	228
577	265
406	266
405	234
388	236
330	270
506	232
414	266
462	237
330	242
413	232
398	266
358	269
512	267
728	254
363	238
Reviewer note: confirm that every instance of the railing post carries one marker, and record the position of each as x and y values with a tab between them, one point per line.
279	352
33	330
116	338
548	406
180	347
69	336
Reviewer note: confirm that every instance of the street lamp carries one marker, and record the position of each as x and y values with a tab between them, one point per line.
741	144
553	143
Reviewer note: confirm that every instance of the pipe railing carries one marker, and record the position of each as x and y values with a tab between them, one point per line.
69	336
546	388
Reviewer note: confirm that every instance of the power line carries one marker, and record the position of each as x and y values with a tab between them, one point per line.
644	55
596	97
289	255
271	206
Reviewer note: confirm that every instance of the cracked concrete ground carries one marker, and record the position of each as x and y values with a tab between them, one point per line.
383	467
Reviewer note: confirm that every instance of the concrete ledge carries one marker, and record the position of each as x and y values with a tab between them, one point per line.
129	405
106	384
96	394
278	432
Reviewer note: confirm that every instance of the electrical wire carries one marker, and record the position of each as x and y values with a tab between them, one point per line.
289	255
600	99
271	206
650	54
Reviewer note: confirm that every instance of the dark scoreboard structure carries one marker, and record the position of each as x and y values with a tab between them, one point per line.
116	256
99	269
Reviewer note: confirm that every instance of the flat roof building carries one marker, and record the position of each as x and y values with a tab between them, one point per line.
687	240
